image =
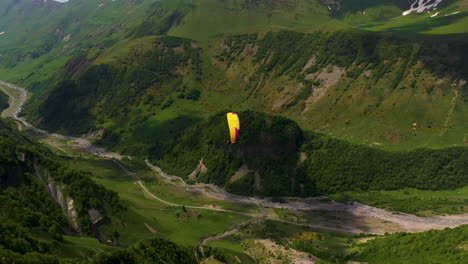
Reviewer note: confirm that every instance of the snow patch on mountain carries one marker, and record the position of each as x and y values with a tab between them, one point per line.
419	6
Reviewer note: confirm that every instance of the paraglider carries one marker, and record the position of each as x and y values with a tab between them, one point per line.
234	126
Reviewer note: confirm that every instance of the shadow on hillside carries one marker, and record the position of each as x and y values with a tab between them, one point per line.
157	134
432	23
342	220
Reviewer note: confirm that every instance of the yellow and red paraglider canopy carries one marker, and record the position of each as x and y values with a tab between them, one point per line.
234	126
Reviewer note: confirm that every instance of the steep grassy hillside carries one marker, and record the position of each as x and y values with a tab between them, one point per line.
34	183
412	92
360	80
383	12
441	246
450	17
147	77
39	37
344	83
121	88
275	158
210	19
438	246
27	22
268	145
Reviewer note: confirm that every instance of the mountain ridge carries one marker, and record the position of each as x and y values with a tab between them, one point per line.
357	100
341	92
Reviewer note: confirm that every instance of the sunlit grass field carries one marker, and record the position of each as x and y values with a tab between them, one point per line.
144	210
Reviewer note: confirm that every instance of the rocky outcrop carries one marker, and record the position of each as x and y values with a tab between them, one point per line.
95	216
56	191
243	171
71	213
201	168
24	162
66	203
302	158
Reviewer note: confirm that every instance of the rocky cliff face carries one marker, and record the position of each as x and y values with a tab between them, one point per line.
56	191
15	176
34	171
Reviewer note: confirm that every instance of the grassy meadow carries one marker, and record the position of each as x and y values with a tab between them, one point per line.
145	211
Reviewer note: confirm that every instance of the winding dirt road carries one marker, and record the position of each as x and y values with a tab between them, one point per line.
407	222
265	217
401	222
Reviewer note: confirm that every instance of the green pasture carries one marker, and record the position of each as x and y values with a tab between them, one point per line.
162	218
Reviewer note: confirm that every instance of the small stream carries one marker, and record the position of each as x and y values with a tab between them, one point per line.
15	108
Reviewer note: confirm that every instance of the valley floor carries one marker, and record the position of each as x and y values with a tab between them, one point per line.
150	183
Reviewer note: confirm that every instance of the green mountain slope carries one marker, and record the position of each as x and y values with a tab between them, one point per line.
25	164
361	80
438	246
42	199
341	83
442	246
344	83
386	15
138	95
39	37
209	19
450	17
42	35
154	79
79	34
136	73
274	157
